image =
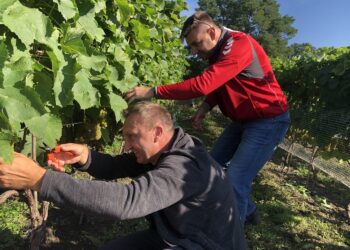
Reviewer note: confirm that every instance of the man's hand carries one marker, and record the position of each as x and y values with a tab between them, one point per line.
197	119
139	93
23	173
68	153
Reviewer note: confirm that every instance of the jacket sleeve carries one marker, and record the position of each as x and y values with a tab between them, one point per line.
211	100
148	193
105	166
235	56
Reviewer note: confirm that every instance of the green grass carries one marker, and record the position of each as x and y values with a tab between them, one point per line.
293	218
14	224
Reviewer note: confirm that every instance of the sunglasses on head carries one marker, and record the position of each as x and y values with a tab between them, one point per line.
193	22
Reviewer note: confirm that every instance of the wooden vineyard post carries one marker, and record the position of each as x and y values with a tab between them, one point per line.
38	220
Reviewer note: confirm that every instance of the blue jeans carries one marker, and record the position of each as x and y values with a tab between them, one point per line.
244	147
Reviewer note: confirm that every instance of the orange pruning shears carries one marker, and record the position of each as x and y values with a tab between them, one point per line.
50	152
57	157
51	155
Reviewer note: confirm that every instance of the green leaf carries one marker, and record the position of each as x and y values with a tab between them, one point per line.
43	86
112	74
29	81
153	32
64	69
20	105
47	127
34	99
4	122
150	52
99	5
105	135
122	58
72	42
167	33
125	84
17	67
141	31
90	25
6	146
118	53
150	11
96	63
117	105
67	8
84	93
27	23
4	4
125	11
3	58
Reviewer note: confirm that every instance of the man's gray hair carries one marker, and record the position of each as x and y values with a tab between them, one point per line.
151	113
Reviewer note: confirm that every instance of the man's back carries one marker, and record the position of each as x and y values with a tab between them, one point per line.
206	217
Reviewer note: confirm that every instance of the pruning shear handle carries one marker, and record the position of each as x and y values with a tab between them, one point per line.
51	155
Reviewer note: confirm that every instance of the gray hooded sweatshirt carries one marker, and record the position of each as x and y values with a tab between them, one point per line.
186	195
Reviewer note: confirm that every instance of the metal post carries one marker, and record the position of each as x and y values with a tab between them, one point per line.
34	159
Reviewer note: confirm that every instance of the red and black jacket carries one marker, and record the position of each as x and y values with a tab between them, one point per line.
239	79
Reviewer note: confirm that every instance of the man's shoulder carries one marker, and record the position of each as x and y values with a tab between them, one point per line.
185	148
234	34
232	38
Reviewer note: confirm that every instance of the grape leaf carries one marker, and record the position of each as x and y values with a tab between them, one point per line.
67	8
17	67
125	11
27	23
4	4
46	127
117	105
88	23
6	146
84	93
20	105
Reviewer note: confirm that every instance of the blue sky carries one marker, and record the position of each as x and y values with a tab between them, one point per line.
319	22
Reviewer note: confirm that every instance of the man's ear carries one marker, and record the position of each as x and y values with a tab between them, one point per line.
158	132
211	32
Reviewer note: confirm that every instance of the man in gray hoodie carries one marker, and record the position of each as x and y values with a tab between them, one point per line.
175	183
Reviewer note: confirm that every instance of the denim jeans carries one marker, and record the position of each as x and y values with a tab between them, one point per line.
244	147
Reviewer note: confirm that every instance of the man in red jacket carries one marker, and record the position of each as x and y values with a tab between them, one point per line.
240	80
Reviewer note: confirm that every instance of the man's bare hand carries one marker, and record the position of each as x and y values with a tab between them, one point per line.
23	173
197	119
68	153
139	93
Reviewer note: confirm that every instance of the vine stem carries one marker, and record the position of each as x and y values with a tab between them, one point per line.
6	195
38	220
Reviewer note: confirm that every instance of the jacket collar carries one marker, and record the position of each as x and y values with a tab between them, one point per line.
217	48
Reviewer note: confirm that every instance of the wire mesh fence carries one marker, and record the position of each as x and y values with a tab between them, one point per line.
321	138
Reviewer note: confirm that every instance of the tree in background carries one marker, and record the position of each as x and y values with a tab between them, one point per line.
259	18
297	49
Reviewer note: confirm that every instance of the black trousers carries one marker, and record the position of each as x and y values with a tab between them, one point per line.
142	240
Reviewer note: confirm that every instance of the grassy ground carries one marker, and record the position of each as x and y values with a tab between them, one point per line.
299	209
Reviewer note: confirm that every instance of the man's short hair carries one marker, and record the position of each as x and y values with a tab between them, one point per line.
150	113
194	21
